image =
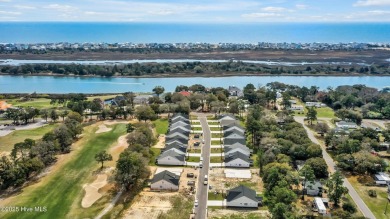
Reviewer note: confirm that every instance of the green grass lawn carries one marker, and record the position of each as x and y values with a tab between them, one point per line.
156	153
378	204
161	126
213	123
37	103
216	135
196	151
325	112
213	196
211	117
215	129
104	97
193	159
217	142
196	128
7	142
216	159
216	150
195	123
62	191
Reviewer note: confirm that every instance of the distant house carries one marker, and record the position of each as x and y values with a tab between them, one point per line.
181	124
175	142
180	118
233	130
243	197
293	101
233	149
118	101
176	135
346	125
4	106
227	120
235	91
382	178
165	180
315	104
185	93
234	138
181	148
296	107
170	157
180	129
237	159
313	188
235	125
142	99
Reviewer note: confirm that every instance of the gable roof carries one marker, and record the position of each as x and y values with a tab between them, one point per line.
234	127
166	176
241	191
180	129
241	148
180	114
237	144
177	147
176	134
180	123
175	143
180	118
178	139
232	141
316	185
173	154
234	131
227	117
237	155
225	127
235	136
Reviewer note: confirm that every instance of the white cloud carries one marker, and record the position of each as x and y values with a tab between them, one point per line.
261	15
273	9
63	8
379	12
301	6
10	12
161	12
24	7
372	3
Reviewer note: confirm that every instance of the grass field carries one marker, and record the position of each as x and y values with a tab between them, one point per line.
377	205
37	103
7	142
61	191
324	112
156	153
213	196
193	159
216	150
216	159
217	142
161	126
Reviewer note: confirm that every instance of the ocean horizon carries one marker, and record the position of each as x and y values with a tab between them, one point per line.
120	32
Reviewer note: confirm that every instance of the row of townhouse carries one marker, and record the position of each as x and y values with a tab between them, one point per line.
176	141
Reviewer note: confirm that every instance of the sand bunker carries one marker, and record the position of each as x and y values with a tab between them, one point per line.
102	129
91	191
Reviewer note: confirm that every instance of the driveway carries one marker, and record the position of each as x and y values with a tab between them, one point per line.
218	203
332	167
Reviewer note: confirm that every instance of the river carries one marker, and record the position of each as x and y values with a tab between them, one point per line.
53	84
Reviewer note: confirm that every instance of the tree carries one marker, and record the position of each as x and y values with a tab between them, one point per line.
322	128
158	90
335	188
64	137
130	168
145	112
44	114
63	114
103	156
308	176
75	116
311	114
130	127
319	166
53	115
280	211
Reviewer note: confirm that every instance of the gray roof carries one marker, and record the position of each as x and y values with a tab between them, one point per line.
233	131
241	191
176	134
167	176
172	153
232	125
232	141
180	118
231	147
180	124
180	115
316	185
237	144
172	139
227	117
175	146
175	143
235	136
237	155
180	129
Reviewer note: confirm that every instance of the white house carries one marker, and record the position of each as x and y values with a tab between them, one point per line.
237	159
242	196
295	108
346	125
172	158
382	178
315	104
165	180
319	205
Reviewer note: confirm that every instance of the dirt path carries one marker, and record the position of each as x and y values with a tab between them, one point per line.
161	142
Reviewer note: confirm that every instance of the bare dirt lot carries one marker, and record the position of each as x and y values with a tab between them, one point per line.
222	213
149	205
220	183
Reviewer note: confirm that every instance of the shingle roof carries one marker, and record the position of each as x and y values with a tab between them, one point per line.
233	131
237	155
232	147
173	139
167	176
175	143
175	146
176	134
241	191
172	153
232	125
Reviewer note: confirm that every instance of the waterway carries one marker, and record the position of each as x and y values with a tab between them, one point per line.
53	84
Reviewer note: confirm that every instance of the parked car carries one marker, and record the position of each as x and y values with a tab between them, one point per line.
196	144
196	203
190	175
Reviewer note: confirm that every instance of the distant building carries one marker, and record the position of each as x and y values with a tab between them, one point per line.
235	91
315	104
165	180
185	93
346	125
296	107
237	159
382	178
313	188
142	99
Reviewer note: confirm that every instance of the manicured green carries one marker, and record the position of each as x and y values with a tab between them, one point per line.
218	159
216	150
62	190
193	159
161	126
7	142
156	153
217	142
213	196
37	103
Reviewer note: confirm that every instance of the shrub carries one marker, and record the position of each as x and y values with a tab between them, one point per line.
349	207
372	193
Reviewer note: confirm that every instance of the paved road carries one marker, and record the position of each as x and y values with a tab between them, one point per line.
202	190
332	168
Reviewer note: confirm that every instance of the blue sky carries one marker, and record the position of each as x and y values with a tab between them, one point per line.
197	11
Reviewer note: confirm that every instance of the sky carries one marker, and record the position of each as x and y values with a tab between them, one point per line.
196	11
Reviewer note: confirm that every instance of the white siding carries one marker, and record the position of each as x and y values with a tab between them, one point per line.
243	202
163	185
237	163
